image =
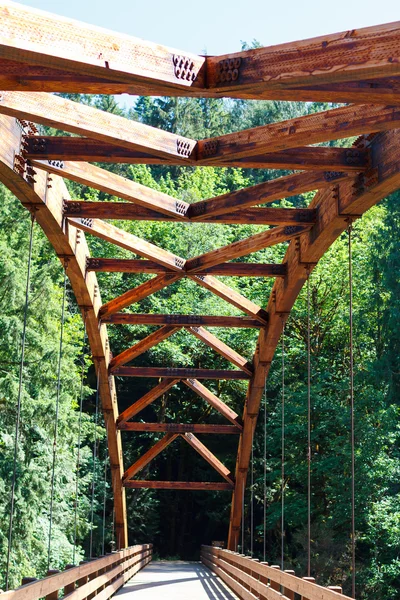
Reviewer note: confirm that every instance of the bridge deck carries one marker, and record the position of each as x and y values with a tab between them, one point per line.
176	581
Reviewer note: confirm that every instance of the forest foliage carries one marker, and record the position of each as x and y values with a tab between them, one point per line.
179	522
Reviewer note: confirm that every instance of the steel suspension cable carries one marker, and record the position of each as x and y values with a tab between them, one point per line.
308	428
352	435
19	400
94	463
78	457
265	470
283	451
53	468
105	494
252	499
243	517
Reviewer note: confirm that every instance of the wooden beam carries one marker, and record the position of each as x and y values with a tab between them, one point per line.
269	191
145	400
213	400
223	349
311	129
251	244
193	441
179	428
179	373
304	158
75	117
183	320
178	485
128	241
256	216
126	265
322	60
149	455
147	201
148	342
136	294
86	51
232	296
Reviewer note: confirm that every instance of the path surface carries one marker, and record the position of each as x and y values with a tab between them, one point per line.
175	581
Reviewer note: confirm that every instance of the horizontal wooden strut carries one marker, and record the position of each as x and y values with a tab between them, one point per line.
179	485
120	265
304	158
179	428
179	373
183	320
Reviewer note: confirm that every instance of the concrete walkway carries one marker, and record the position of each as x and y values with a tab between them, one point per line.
175	580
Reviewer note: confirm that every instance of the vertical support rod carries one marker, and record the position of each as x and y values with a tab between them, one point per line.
283	451
353	496
265	468
308	429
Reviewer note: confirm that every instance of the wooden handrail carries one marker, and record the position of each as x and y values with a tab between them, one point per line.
101	577
250	579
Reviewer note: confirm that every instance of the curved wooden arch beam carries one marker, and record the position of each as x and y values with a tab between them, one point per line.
337	205
45	200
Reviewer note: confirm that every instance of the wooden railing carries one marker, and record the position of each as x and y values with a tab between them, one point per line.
101	577
251	579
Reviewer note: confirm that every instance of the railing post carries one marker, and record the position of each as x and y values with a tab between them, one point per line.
311	580
335	588
286	591
26	580
264	578
52	595
71	586
84	579
274	584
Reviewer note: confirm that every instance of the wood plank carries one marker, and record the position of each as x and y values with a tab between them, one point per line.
136	294
268	238
268	191
223	349
256	216
147	201
85	50
122	265
204	452
184	320
305	158
179	373
316	61
128	241
137	349
178	485
145	400
213	400
232	296
74	117
180	428
311	129
149	455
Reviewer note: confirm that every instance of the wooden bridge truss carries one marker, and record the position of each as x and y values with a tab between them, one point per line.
42	53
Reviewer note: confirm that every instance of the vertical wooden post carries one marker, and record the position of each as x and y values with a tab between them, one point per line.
274	584
84	579
335	588
71	586
286	591
53	595
311	580
264	578
26	580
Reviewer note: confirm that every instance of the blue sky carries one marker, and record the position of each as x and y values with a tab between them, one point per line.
218	26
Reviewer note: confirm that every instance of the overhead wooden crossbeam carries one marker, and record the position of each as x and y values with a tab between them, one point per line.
124	211
149	455
126	265
306	158
74	117
148	342
183	320
179	373
223	349
139	484
202	391
310	129
145	401
193	441
179	428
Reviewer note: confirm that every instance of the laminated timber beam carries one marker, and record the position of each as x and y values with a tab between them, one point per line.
180	428
202	391
320	127
182	320
337	207
81	119
179	373
140	484
45	204
145	401
148	342
148	456
305	158
121	265
193	441
252	216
